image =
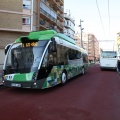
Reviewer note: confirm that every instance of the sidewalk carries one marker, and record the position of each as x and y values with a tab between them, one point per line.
1	67
1	83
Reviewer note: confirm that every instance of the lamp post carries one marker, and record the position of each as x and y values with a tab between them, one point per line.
81	29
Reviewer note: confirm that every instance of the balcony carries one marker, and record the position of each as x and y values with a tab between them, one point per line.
68	17
47	16
60	17
55	6
61	2
60	8
60	25
45	2
46	25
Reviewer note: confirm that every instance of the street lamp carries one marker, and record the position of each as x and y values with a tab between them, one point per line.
81	29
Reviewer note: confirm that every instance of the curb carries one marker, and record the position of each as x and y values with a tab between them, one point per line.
1	83
2	87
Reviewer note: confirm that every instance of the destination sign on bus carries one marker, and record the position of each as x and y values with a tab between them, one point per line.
29	44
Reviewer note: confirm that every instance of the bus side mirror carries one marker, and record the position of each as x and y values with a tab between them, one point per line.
54	49
6	48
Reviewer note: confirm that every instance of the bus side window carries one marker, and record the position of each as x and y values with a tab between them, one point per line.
72	54
61	56
55	58
78	55
45	60
50	59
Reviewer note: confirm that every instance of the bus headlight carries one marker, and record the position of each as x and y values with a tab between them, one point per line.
34	83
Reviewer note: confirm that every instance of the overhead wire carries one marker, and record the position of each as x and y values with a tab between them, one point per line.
100	17
109	26
109	29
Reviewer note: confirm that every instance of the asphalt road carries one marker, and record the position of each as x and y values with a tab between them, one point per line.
93	96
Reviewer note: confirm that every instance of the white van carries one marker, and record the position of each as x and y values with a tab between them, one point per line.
108	60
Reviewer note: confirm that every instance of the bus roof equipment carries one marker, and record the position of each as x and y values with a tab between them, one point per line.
44	35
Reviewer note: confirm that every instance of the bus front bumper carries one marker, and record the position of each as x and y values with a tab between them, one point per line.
104	67
33	85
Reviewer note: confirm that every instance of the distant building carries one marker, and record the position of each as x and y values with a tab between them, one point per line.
69	25
117	46
19	17
90	43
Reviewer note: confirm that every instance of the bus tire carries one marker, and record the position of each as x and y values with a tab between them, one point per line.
63	77
83	71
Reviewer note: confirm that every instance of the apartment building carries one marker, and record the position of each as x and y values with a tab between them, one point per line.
18	18
93	48
69	25
117	44
90	43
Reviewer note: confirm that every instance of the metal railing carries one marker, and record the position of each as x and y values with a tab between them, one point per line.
59	15
48	15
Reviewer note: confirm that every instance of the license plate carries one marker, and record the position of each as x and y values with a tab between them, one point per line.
15	85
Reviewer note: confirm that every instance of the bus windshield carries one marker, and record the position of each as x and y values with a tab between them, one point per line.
24	59
108	54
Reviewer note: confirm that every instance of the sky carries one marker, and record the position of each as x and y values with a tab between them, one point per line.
103	23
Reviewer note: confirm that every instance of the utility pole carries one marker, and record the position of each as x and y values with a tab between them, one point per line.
81	29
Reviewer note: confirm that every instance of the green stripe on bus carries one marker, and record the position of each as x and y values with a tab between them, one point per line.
23	77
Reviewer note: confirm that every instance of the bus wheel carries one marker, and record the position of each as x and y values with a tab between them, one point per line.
63	78
83	71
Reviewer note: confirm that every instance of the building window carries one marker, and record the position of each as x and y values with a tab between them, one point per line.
26	4
26	21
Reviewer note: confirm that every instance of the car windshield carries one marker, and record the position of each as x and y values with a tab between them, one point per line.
109	54
24	59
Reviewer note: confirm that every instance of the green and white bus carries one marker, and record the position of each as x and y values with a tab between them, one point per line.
43	59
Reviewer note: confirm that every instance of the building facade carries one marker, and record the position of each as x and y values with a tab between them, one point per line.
117	45
69	25
18	18
90	43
